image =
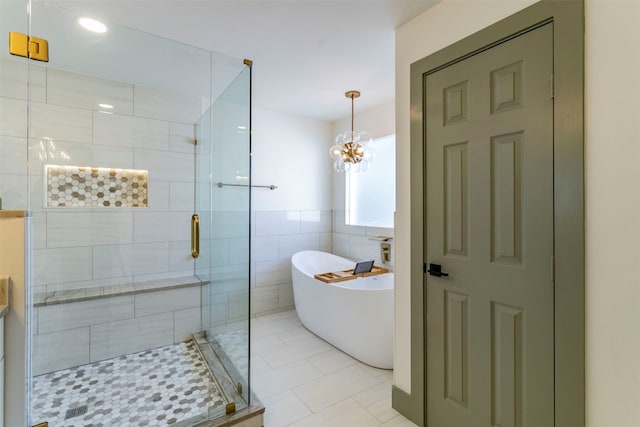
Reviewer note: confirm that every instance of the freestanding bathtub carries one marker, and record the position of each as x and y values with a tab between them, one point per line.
355	316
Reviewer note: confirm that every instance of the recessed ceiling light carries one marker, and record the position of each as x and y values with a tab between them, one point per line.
107	106
92	25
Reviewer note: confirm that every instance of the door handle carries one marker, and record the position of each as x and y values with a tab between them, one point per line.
195	236
436	270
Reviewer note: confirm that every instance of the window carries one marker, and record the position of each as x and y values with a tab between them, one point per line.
371	195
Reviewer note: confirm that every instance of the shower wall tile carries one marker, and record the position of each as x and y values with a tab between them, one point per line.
132	259
60	350
315	221
161	226
230	224
78	154
13	189
78	90
13	117
90	285
158	196
164	165
264	248
53	122
128	131
271	223
186	322
180	258
170	275
181	137
72	315
238	304
39	230
36	189
238	251
66	229
166	106
13	80
62	265
13	155
129	336
206	258
181	196
164	301
223	287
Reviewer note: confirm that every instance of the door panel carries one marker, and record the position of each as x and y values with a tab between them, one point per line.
489	223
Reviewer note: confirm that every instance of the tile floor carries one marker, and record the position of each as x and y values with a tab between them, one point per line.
303	381
151	388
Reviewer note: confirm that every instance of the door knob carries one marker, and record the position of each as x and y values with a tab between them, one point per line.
436	270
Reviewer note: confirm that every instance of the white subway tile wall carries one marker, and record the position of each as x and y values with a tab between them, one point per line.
146	129
276	236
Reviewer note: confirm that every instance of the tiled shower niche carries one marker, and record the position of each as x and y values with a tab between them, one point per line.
77	186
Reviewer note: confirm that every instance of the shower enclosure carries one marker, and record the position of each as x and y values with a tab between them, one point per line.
131	154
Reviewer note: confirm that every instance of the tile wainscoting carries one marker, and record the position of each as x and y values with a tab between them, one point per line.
90	328
277	235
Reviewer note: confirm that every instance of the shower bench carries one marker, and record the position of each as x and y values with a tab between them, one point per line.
84	325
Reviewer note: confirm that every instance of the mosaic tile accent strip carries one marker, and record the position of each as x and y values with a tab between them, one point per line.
78	186
156	387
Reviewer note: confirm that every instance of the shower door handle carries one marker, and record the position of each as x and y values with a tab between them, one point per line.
195	236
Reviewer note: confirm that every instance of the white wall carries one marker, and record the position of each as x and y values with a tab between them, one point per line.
612	151
291	152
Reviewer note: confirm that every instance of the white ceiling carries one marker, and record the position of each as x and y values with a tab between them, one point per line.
306	53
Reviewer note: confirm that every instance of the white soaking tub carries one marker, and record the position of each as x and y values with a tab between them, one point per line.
355	316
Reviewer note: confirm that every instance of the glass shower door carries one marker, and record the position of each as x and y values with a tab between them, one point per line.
109	180
223	204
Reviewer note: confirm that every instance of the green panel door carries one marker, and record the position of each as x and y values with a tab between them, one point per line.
489	224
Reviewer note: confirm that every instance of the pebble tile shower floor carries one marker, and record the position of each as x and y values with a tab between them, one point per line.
152	388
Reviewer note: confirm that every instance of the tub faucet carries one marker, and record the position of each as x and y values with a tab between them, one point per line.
385	252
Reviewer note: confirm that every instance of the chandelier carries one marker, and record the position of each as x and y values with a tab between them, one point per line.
352	151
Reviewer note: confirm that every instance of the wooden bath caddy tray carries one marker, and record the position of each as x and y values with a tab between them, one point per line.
341	276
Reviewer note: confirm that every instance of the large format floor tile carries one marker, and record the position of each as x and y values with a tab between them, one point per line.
305	382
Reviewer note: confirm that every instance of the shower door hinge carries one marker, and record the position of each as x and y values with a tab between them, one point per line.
28	46
230	408
195	142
